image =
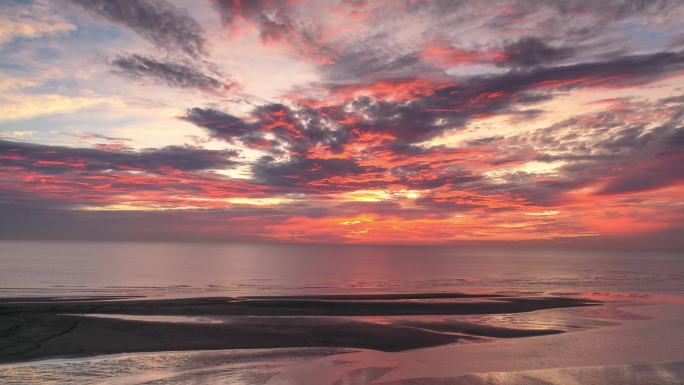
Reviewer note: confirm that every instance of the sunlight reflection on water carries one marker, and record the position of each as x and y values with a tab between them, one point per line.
168	269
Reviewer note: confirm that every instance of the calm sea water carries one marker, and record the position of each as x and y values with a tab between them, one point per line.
175	269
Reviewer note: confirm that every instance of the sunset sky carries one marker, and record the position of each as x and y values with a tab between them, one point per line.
343	121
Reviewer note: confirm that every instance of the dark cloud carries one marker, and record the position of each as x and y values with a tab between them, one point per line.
46	222
291	133
158	21
623	70
447	106
610	9
614	152
183	75
659	173
288	133
300	172
647	159
58	159
96	136
559	19
532	52
92	135
372	59
454	106
218	123
37	223
296	130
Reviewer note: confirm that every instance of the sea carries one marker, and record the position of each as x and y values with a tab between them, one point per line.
194	269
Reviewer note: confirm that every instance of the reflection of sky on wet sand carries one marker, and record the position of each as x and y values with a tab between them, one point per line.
563	319
665	373
238	367
474	328
160	318
657	337
567	319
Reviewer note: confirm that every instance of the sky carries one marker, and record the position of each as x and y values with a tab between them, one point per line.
526	122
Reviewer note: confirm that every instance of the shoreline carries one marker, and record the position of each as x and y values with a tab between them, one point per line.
33	330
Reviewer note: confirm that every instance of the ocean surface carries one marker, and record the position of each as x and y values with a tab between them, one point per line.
177	269
636	338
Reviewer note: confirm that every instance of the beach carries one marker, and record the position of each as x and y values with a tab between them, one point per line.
265	316
568	341
50	327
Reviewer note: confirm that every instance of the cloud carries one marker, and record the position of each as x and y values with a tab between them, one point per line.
359	40
371	59
174	74
174	177
429	121
158	21
93	136
25	106
454	105
31	29
612	10
57	159
30	22
313	175
278	23
218	123
615	152
531	52
363	141
273	127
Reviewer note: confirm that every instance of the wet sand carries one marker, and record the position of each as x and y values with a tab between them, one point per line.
643	350
56	328
668	373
